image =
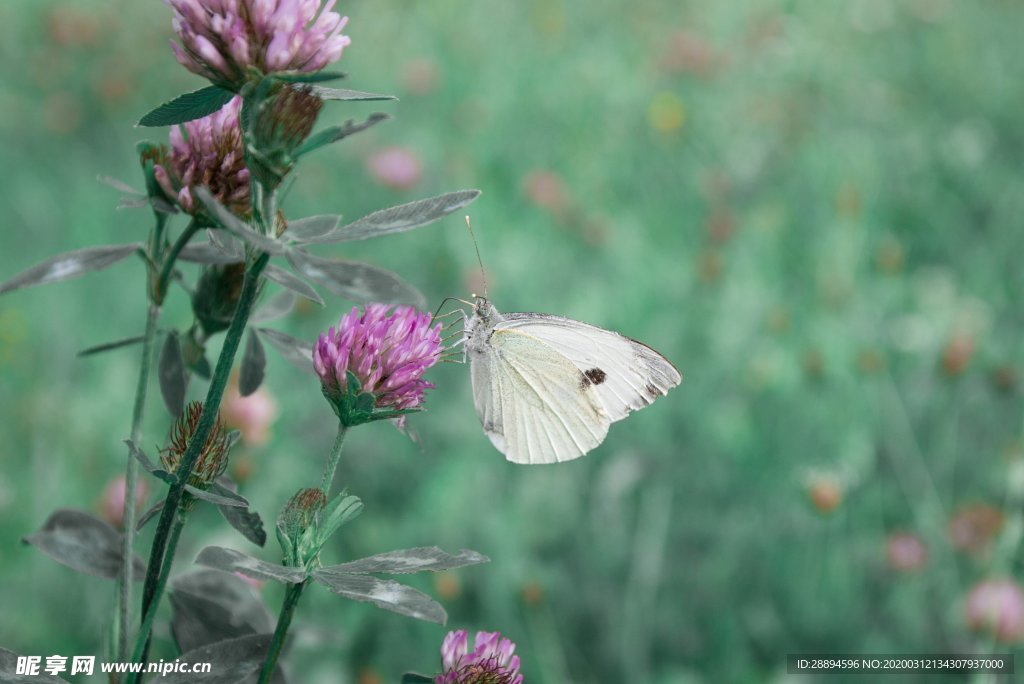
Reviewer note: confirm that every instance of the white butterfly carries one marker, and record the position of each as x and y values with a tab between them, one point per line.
547	388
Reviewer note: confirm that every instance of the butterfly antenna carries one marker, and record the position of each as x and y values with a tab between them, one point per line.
483	273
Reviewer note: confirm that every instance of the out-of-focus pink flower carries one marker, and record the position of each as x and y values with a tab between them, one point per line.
252	415
547	190
112	502
387	352
209	152
490	662
997	605
222	39
689	53
973	527
421	76
396	167
905	552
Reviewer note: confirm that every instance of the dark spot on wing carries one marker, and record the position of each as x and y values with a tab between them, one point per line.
653	391
595	375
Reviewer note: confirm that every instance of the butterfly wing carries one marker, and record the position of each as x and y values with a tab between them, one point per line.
534	403
627	375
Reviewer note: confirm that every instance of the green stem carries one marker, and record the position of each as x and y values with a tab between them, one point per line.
131	476
142	640
284	620
232	339
160	288
332	461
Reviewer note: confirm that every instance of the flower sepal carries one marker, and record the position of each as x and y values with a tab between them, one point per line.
355	407
308	521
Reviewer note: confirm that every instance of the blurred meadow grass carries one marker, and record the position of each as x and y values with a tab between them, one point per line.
811	208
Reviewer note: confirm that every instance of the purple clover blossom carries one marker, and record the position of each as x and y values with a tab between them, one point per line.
222	39
490	662
209	152
387	351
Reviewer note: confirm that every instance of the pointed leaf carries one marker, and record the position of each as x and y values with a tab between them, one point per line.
219	495
279	305
69	265
356	281
291	281
246	521
303	77
212	605
84	543
235	661
386	594
207	253
120	185
148	465
172	374
109	346
254	366
325	93
187	107
416	678
411	560
9	665
234	561
341	510
403	217
149	515
295	351
236	226
335	133
312	227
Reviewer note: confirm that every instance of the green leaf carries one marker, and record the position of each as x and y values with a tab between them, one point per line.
403	217
84	543
211	605
234	561
279	305
339	511
254	365
295	351
110	346
355	281
302	77
9	665
207	253
291	281
236	226
420	559
187	107
416	678
172	374
69	265
312	227
334	134
344	94
235	661
386	594
120	185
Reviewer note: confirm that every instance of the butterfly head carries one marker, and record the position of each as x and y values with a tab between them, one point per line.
484	311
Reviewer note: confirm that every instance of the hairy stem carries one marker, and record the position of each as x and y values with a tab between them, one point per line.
284	621
232	339
160	288
125	581
332	461
142	640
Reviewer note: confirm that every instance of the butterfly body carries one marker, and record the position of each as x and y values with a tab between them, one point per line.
547	388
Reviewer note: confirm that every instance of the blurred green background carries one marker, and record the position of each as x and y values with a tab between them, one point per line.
811	208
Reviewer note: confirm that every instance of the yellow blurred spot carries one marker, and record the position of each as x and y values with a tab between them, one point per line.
13	332
666	113
548	17
447	585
